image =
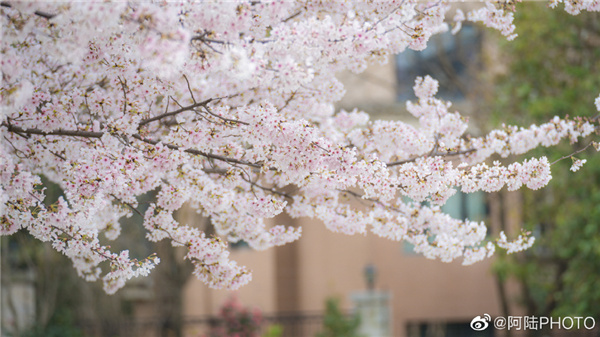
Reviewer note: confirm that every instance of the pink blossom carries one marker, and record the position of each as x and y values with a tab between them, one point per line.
230	109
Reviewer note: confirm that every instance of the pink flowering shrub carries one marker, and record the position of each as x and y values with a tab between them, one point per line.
237	321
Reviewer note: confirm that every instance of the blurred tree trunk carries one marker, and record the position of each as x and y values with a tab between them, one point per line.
171	276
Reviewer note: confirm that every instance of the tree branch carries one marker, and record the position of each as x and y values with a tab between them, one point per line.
360	197
292	16
270	190
128	205
59	132
190	89
90	134
434	154
572	154
38	13
198	153
225	119
173	113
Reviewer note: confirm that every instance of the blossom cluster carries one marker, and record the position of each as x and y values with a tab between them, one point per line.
228	108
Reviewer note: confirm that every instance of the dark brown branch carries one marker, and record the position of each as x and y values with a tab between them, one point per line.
223	172
385	17
59	132
128	205
124	87
192	107
52	152
173	113
267	189
17	151
90	134
190	89
434	154
287	101
225	118
198	153
95	250
270	190
572	154
375	201
436	144
38	13
211	47
206	40
292	16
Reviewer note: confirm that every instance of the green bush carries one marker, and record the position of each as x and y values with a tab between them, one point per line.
274	330
60	325
336	324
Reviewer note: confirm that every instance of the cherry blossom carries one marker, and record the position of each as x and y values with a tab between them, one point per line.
229	108
577	164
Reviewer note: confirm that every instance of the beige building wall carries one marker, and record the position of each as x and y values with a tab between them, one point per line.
372	91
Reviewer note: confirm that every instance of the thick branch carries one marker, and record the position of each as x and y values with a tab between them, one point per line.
91	134
59	132
38	13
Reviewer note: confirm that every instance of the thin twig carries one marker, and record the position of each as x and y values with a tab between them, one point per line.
197	152
375	201
292	16
287	101
56	154
172	113
572	154
190	89
123	86
16	149
224	118
270	190
446	154
128	205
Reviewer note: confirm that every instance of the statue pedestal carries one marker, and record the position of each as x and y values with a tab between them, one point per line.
373	308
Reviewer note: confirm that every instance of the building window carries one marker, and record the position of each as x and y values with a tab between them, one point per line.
435	329
239	245
462	206
453	60
465	206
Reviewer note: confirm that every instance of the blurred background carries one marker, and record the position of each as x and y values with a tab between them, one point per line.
327	284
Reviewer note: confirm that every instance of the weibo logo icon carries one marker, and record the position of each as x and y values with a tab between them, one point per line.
480	323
